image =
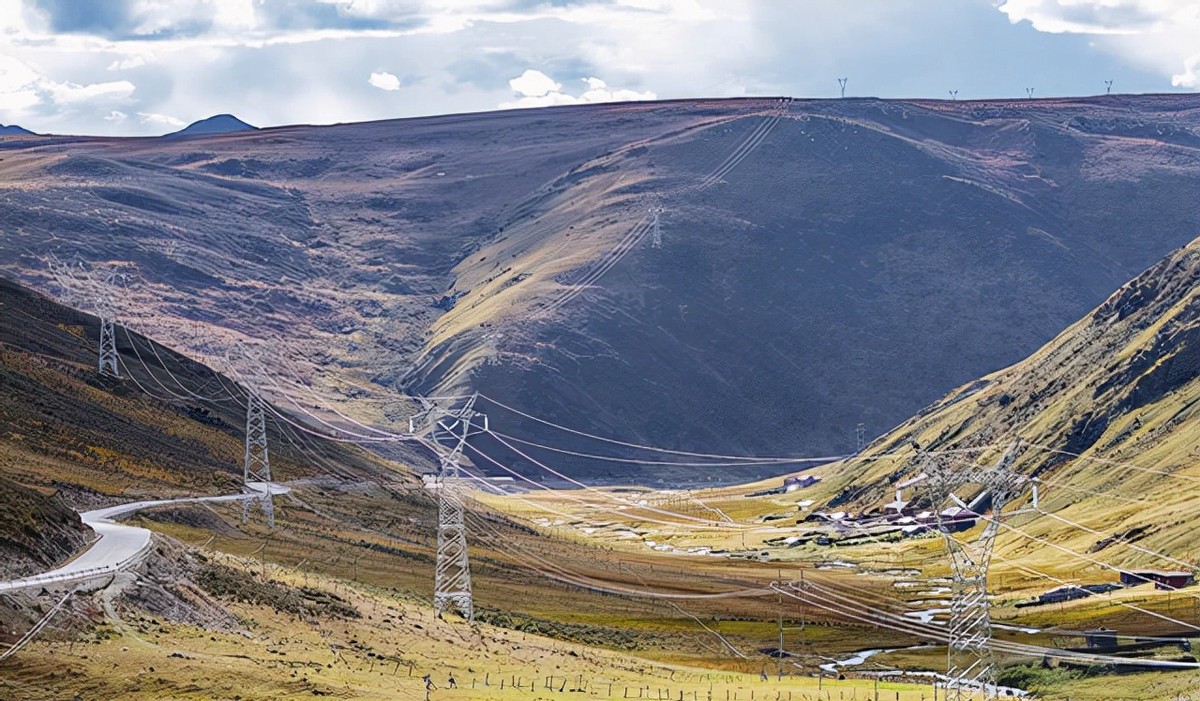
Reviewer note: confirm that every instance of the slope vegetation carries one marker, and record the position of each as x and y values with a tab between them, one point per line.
1109	412
91	440
741	276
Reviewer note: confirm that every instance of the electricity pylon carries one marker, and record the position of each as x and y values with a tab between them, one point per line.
89	289
256	463
860	438
246	364
970	665
108	348
842	85
446	432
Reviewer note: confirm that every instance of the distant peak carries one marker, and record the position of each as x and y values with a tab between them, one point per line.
216	124
13	130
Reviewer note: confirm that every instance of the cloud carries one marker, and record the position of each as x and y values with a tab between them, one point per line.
125	64
533	83
536	89
24	89
384	81
68	93
116	117
1159	35
159	120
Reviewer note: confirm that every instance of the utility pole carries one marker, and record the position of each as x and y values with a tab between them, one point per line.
779	604
842	85
970	665
446	431
256	464
657	240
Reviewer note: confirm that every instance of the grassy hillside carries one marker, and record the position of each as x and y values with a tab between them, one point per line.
95	440
725	276
1109	410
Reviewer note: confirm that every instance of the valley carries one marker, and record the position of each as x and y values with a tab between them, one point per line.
673	315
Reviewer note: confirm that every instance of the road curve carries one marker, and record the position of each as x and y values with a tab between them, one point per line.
119	545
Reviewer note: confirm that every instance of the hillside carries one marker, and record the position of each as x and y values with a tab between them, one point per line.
1109	410
36	530
90	440
13	130
815	264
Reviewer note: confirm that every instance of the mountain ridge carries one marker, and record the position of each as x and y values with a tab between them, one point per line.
814	265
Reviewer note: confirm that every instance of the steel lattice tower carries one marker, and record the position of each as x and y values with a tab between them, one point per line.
90	288
108	348
970	665
256	465
447	432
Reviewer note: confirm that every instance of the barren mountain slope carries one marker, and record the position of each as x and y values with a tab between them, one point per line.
725	276
1120	390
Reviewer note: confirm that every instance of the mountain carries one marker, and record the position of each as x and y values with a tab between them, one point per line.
13	130
752	276
1108	410
216	124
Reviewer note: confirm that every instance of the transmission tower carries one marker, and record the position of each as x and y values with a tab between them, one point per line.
953	94
95	290
1029	92
108	348
256	463
446	432
970	666
860	437
842	85
1108	87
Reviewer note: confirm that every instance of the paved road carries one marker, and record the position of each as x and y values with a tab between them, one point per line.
118	544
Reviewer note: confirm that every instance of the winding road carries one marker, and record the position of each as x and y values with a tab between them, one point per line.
120	545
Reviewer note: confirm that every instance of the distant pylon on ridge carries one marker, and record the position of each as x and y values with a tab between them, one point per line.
842	85
860	437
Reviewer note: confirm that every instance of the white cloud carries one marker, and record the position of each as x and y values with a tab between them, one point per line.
125	64
116	117
384	81
536	89
1159	35
23	88
69	93
159	120
533	83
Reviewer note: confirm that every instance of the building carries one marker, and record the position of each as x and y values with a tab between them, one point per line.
1161	580
791	484
1101	638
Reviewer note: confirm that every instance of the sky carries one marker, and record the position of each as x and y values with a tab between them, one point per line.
144	67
